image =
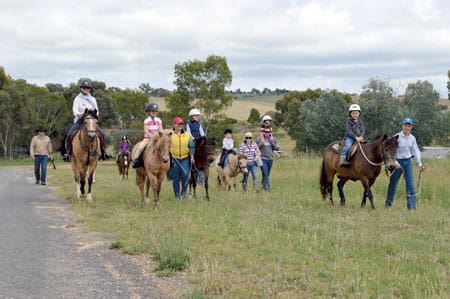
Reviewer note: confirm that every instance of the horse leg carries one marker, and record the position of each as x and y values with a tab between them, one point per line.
206	185
140	181
90	179
82	183
340	186
368	193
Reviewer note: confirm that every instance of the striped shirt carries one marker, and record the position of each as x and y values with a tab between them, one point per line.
151	126
250	151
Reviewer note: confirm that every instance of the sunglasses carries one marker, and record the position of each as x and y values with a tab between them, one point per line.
266	131
85	87
248	137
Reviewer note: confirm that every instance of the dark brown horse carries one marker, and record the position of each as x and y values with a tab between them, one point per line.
123	164
85	153
156	163
365	166
203	157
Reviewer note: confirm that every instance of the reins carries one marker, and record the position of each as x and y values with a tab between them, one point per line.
367	159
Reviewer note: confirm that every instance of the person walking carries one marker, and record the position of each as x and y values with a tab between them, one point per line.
407	149
40	152
182	152
84	100
267	146
251	150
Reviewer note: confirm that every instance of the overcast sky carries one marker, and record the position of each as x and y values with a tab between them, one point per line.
267	43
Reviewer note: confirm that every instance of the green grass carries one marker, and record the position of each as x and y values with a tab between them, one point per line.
284	244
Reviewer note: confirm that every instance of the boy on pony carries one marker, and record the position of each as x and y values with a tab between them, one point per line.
194	126
354	132
227	146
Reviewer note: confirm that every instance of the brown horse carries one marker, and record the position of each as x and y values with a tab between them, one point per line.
156	163
365	166
123	164
203	157
85	153
237	163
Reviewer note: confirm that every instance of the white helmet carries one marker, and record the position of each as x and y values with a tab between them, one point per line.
266	117
194	111
354	107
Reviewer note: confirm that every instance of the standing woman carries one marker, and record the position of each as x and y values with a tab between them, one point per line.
251	150
407	149
40	152
182	151
267	145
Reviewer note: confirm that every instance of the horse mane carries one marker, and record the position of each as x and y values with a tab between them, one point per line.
88	112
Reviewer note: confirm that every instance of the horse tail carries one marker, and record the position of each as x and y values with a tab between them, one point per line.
323	180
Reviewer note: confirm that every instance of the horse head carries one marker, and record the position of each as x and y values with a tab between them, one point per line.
210	145
162	141
389	150
90	119
242	163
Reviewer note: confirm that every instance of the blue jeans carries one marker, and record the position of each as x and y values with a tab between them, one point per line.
40	167
409	181
252	168
348	144
265	170
180	171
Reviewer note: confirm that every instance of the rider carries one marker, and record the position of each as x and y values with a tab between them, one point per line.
354	132
194	126
266	124
152	124
227	146
84	100
124	147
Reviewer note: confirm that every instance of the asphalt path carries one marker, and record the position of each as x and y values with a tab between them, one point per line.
44	252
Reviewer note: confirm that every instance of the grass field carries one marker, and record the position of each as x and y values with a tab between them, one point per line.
284	244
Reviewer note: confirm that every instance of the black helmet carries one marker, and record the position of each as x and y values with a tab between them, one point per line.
152	107
227	131
124	138
84	82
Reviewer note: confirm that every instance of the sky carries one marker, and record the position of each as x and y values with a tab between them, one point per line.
267	43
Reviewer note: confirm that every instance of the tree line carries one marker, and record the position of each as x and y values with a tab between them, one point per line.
313	118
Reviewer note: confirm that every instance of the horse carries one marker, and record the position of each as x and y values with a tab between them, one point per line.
156	159
203	157
123	164
365	166
85	153
237	163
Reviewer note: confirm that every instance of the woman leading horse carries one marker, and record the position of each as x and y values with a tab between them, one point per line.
365	166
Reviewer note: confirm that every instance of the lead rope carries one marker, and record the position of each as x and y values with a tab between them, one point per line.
367	159
419	181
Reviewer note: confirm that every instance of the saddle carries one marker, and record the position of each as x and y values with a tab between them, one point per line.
339	145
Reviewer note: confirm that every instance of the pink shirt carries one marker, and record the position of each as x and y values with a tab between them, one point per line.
151	126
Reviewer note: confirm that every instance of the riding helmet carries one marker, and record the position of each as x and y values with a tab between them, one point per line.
227	131
124	138
152	107
85	82
194	111
266	117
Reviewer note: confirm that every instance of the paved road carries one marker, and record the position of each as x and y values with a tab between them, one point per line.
44	254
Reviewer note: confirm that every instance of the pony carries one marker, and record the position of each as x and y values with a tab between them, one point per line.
123	164
365	166
203	157
156	159
85	153
237	163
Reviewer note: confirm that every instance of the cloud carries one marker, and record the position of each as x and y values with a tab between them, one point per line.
268	43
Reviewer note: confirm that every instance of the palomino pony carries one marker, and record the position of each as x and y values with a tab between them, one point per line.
85	153
156	163
204	155
365	166
237	163
123	164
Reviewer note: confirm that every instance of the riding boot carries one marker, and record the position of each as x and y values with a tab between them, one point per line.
68	149
344	162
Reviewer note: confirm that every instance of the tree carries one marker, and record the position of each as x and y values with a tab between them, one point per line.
202	85
379	109
130	107
254	118
421	102
283	104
